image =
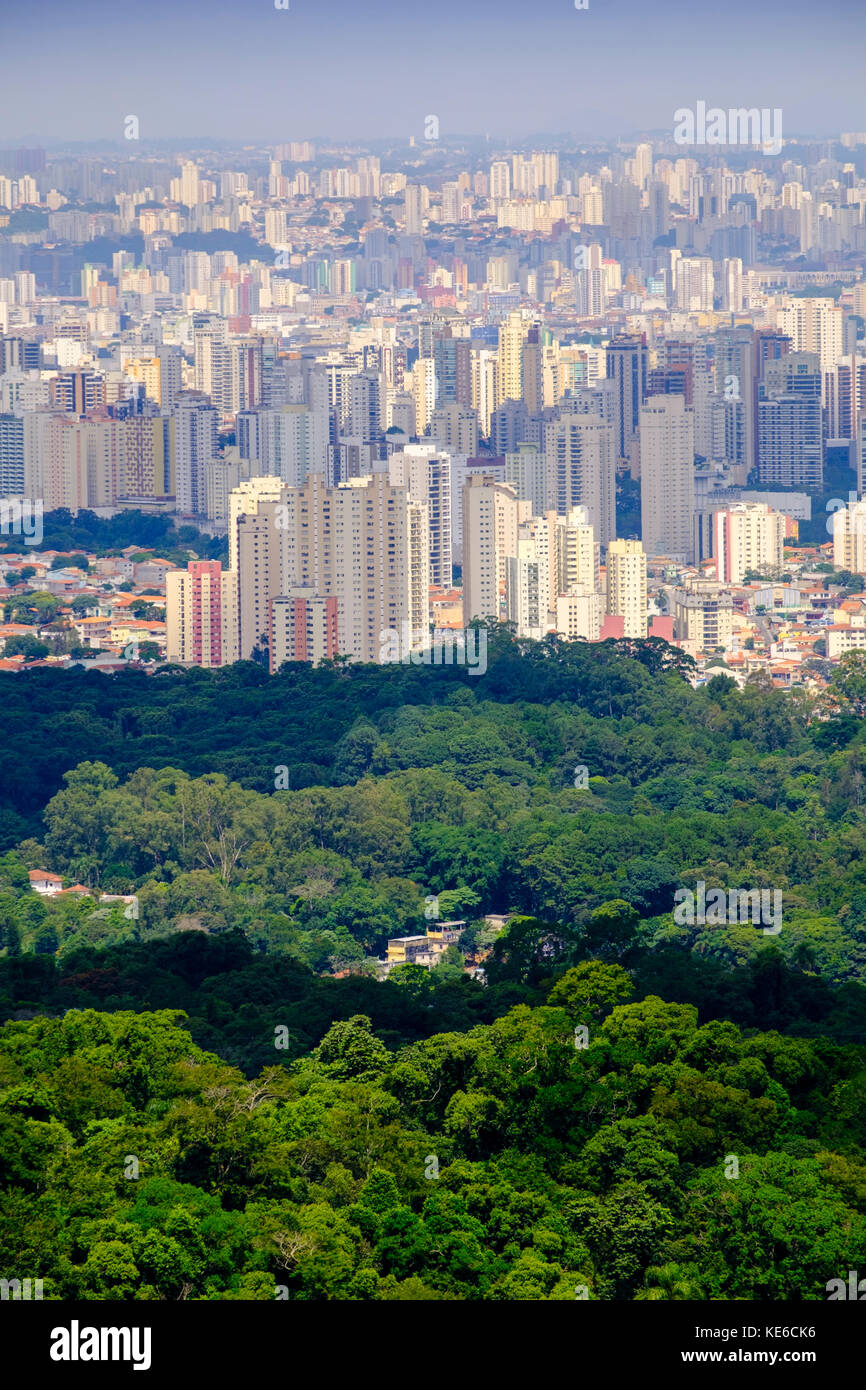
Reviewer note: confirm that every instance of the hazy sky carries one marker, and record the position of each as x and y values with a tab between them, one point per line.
241	69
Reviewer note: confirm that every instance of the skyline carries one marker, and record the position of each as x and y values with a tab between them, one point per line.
491	61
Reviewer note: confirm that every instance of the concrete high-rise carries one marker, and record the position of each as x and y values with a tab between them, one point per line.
193	445
693	284
667	451
512	335
627	367
790	441
294	441
813	325
526	471
589	282
144	472
303	627
425	471
625	566
703	617
849	537
748	536
194	614
527	580
491	515
580	452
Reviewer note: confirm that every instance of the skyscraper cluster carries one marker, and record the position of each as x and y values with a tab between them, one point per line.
523	379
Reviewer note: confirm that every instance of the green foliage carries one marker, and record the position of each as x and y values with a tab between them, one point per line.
491	1164
566	1121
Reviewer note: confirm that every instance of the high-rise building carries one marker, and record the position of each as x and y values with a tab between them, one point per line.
424	392
414	207
738	358
813	325
455	427
580	452
193	444
147	371
210	334
860	455
452	357
70	462
512	336
303	627
589	283
11	456
846	397
364	543
849	537
732	285
366	406
577	552
194	604
627	367
790	441
485	387
747	536
527	579
144	459
425	471
578	614
263	572
667	454
491	513
293	442
625	567
381	564
526	471
77	392
500	180
703	616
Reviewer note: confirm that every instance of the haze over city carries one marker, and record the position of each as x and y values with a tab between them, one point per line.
242	70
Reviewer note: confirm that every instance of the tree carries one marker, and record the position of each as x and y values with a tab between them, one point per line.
611	928
848	683
590	990
672	1281
351	1050
81	818
31	648
76	562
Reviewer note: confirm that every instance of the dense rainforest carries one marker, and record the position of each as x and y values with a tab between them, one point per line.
206	1093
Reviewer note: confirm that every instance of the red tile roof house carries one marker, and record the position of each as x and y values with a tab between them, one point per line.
41	881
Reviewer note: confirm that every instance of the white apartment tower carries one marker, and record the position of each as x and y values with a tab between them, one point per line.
580	451
748	536
425	471
491	514
626	586
849	537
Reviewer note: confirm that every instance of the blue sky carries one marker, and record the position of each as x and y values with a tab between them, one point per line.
240	69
